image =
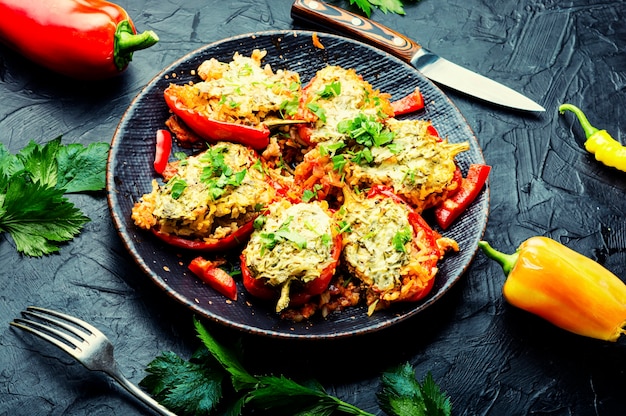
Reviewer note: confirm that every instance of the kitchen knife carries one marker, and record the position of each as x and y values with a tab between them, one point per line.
431	65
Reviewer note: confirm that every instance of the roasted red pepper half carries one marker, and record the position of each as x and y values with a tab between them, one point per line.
256	137
210	273
232	240
163	150
450	209
408	104
83	39
258	288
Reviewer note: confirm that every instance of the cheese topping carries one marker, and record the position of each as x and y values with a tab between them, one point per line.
336	94
421	166
370	245
294	244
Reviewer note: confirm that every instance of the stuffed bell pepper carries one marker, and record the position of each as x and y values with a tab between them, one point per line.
333	95
389	248
235	101
292	254
208	201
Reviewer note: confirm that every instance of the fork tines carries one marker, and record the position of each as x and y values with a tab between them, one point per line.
55	328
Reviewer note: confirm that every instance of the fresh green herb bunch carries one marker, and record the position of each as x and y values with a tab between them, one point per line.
201	385
33	184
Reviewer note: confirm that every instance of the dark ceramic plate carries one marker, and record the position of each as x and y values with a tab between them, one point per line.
130	174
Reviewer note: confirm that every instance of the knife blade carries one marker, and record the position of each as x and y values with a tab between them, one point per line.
432	66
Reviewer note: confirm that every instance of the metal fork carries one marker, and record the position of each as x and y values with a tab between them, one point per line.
84	342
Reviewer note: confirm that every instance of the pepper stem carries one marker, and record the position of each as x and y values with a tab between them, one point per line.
127	42
584	123
507	261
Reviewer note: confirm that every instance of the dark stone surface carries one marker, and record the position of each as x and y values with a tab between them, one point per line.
491	358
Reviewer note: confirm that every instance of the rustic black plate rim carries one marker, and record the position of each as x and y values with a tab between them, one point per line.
146	252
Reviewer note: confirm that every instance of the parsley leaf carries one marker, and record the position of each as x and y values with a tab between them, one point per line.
290	107
200	387
40	162
33	182
330	90
403	395
271	239
317	110
366	131
393	6
80	168
217	175
189	387
401	238
177	186
240	378
37	216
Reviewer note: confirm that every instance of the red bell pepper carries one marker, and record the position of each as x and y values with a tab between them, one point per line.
409	104
210	273
450	209
232	240
83	39
432	130
258	288
256	137
163	150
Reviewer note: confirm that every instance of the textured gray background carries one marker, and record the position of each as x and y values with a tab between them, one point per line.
491	358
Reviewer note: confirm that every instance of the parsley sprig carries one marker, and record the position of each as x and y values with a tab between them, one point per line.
269	240
401	238
214	381
392	6
362	133
33	183
217	175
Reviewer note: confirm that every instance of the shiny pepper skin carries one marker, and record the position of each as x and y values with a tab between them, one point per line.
81	39
564	287
599	142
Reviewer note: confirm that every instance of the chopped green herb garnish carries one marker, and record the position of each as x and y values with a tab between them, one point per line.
271	239
317	110
330	90
344	227
401	238
308	195
326	149
259	222
217	175
290	107
177	186
339	162
366	131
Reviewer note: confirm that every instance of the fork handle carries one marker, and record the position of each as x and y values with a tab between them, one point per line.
140	394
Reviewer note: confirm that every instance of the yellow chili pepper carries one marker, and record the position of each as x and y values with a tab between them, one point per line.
564	287
599	142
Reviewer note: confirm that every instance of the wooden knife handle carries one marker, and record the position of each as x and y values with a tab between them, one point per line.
355	26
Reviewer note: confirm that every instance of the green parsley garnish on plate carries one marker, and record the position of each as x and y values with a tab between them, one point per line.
33	183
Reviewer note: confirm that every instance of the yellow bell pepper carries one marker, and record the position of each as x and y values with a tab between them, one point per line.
564	287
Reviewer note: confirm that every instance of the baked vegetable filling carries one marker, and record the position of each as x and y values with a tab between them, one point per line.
207	196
